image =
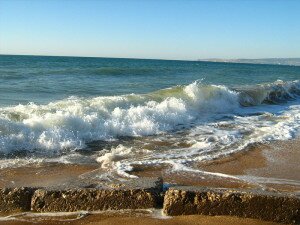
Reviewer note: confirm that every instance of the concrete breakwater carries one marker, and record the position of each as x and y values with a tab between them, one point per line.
145	193
256	204
134	194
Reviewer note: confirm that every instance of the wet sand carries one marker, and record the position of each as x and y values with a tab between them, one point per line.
278	160
111	219
275	166
42	175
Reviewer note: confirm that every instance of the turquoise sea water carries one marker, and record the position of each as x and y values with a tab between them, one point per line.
25	79
122	112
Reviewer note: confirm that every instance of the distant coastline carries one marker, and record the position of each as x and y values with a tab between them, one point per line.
265	61
272	61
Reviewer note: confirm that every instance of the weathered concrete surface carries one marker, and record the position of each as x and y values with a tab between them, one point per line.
15	199
135	194
262	205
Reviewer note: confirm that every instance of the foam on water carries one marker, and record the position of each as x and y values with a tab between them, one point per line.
111	160
72	122
210	120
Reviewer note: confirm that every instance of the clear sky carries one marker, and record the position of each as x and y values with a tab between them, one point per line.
169	29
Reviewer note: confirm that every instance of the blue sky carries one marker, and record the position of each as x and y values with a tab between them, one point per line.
169	29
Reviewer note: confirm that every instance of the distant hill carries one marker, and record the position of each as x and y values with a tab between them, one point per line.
276	61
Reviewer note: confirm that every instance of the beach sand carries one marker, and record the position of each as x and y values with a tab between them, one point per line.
42	175
274	166
278	160
138	219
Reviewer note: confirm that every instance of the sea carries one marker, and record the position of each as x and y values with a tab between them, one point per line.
123	112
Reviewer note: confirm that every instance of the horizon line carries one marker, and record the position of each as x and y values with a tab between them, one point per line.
208	60
107	57
110	57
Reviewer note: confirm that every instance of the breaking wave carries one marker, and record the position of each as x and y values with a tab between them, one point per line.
73	122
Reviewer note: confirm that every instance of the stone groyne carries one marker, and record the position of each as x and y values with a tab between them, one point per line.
146	193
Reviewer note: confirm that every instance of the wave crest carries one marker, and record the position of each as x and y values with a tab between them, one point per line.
273	93
71	123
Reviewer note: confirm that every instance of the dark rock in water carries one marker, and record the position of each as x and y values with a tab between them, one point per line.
277	207
15	199
134	194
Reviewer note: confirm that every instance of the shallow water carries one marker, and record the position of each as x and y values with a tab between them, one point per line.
124	112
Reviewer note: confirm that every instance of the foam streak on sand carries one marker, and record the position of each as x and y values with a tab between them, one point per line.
210	120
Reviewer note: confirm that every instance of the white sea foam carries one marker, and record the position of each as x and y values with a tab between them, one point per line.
210	120
72	122
112	160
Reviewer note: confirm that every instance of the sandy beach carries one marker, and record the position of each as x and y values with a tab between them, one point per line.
275	165
43	175
272	166
117	219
